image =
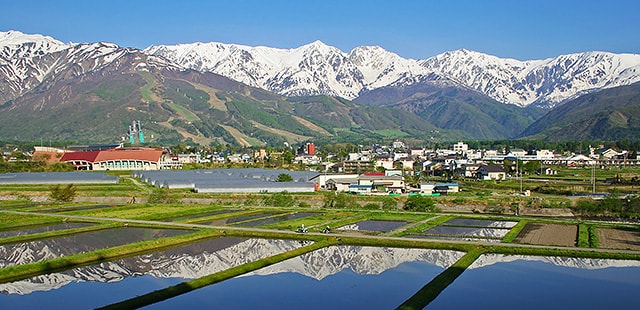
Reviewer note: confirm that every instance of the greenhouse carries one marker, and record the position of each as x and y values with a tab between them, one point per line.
250	180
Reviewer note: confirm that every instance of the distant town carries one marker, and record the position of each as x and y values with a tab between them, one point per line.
376	169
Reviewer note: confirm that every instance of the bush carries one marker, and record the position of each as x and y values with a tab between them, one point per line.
283	177
389	203
371	206
160	196
281	200
339	200
63	194
420	203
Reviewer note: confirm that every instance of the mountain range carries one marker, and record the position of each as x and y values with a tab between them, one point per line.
216	93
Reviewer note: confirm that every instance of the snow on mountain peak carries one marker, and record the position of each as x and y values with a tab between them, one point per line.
16	38
318	68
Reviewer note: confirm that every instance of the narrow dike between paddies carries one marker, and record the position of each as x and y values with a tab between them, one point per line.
188	286
429	292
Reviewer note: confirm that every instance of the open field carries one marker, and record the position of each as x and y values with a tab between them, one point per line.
548	234
618	238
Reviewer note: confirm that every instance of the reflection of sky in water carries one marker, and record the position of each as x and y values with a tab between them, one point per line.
528	284
35	251
86	295
372	225
345	289
480	223
277	219
467	231
111	282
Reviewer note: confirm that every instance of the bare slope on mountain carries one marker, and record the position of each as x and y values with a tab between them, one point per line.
611	114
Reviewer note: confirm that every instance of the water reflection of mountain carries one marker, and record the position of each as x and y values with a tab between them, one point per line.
573	262
207	257
362	260
35	251
187	262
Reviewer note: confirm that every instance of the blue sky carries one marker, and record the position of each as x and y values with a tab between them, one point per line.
414	29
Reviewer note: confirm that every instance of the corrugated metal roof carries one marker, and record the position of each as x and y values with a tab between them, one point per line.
229	180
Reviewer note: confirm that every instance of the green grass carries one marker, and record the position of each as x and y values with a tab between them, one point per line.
430	224
145	90
593	237
184	112
430	291
391	133
515	231
583	235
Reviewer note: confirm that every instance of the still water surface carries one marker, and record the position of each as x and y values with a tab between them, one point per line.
106	283
340	277
495	281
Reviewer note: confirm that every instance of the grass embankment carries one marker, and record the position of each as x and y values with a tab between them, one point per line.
20	272
515	231
430	291
189	286
427	225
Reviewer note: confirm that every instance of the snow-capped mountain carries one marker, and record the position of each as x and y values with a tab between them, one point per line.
30	61
317	68
320	69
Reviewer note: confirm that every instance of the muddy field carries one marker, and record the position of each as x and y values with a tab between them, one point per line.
618	239
548	234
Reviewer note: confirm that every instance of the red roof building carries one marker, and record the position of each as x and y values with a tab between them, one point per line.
119	159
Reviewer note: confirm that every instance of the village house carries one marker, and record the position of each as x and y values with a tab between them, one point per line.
491	172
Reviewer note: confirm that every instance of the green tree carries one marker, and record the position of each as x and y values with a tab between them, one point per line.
63	194
389	203
339	200
420	203
532	166
284	177
281	200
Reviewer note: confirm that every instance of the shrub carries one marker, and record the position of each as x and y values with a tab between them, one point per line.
389	203
371	206
284	177
282	200
339	200
420	203
160	195
63	194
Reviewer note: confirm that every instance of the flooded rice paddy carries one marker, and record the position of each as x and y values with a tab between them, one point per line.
543	282
111	282
42	228
468	230
35	251
344	277
337	277
276	219
373	225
